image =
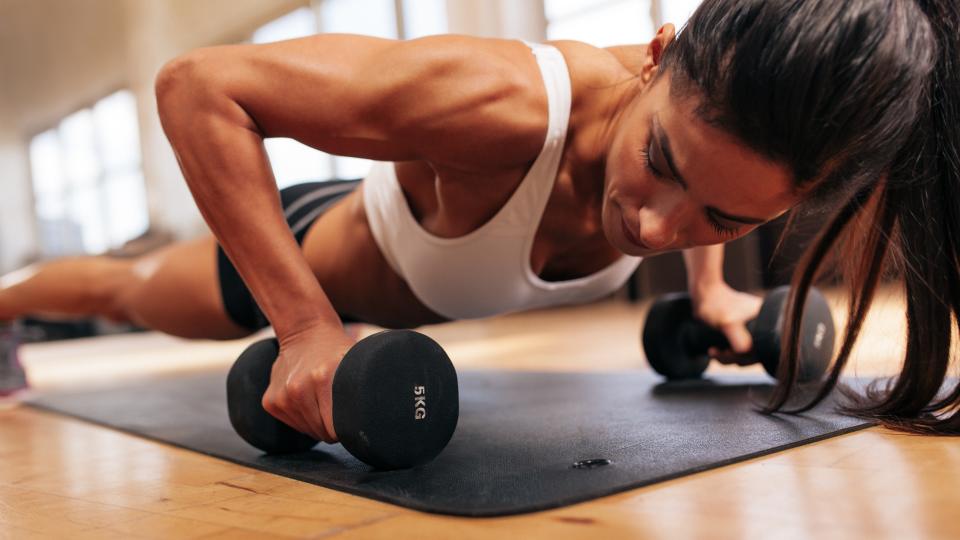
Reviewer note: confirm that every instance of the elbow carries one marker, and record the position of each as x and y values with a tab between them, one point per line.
184	86
194	87
175	79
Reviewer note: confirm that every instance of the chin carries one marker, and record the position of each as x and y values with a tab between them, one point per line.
611	233
606	227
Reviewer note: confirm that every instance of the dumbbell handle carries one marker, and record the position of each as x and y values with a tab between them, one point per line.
697	336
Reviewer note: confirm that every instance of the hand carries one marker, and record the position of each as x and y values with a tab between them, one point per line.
728	310
301	382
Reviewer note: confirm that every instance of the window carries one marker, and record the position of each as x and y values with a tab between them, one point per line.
601	23
299	23
88	181
677	11
293	162
369	17
424	18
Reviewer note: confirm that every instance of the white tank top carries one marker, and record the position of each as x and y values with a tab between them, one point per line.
487	272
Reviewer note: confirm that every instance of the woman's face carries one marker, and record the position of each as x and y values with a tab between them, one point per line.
673	182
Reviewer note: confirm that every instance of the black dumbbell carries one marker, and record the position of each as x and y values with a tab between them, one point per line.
395	400
676	343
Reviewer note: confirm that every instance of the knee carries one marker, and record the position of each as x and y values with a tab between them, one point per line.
117	290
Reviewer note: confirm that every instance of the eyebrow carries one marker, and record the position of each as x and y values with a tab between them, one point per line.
663	141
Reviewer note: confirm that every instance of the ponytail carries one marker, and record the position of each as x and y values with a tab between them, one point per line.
912	219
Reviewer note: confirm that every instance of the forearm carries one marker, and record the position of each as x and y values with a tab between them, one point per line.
221	154
704	267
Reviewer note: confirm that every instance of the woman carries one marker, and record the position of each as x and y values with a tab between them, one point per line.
524	180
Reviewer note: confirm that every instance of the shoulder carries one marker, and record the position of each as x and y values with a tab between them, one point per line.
471	102
488	103
601	61
593	67
594	70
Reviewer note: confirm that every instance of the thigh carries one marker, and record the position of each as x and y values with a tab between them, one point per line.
176	290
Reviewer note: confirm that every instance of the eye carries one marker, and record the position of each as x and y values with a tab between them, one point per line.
648	162
722	229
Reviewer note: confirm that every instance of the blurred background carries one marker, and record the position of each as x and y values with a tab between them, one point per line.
86	168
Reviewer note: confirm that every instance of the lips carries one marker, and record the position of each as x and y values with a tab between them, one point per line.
630	236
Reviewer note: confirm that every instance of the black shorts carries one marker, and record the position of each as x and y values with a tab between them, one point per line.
302	205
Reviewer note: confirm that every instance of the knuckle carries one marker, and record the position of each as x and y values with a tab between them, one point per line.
282	404
296	390
269	403
320	375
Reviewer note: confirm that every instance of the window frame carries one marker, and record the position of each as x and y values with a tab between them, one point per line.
100	183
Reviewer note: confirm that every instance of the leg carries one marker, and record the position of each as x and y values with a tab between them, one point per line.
65	288
174	290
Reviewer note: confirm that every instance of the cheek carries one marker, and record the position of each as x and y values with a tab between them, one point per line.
626	178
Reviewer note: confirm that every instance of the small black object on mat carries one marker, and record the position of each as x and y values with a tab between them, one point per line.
524	442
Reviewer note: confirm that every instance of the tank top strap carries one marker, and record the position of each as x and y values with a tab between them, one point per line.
527	204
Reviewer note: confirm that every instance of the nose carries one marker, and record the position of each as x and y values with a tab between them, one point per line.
659	224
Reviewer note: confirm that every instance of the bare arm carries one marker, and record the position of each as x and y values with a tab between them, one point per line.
718	304
344	94
452	100
220	151
704	267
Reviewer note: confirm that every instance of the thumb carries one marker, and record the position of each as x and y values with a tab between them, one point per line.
739	338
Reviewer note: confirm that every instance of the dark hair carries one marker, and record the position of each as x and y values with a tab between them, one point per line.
861	99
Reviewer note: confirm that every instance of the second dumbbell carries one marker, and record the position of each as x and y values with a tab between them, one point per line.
676	343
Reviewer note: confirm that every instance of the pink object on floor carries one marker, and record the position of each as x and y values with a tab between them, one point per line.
13	378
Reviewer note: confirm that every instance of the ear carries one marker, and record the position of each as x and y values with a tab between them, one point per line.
654	52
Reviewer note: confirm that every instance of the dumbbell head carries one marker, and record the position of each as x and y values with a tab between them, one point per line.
395	399
246	383
663	340
817	333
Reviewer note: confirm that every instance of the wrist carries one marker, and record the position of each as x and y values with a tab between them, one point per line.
291	325
703	287
704	265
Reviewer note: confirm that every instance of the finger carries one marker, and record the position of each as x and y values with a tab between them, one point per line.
323	397
725	358
718	354
279	396
323	402
309	407
745	360
300	421
739	337
328	425
297	408
730	358
333	438
277	408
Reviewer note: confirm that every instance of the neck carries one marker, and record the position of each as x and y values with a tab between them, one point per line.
594	124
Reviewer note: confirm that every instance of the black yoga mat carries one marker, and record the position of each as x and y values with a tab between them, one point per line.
517	441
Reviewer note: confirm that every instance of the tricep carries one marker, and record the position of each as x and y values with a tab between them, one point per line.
445	99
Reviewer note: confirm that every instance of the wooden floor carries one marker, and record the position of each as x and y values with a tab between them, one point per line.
61	478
